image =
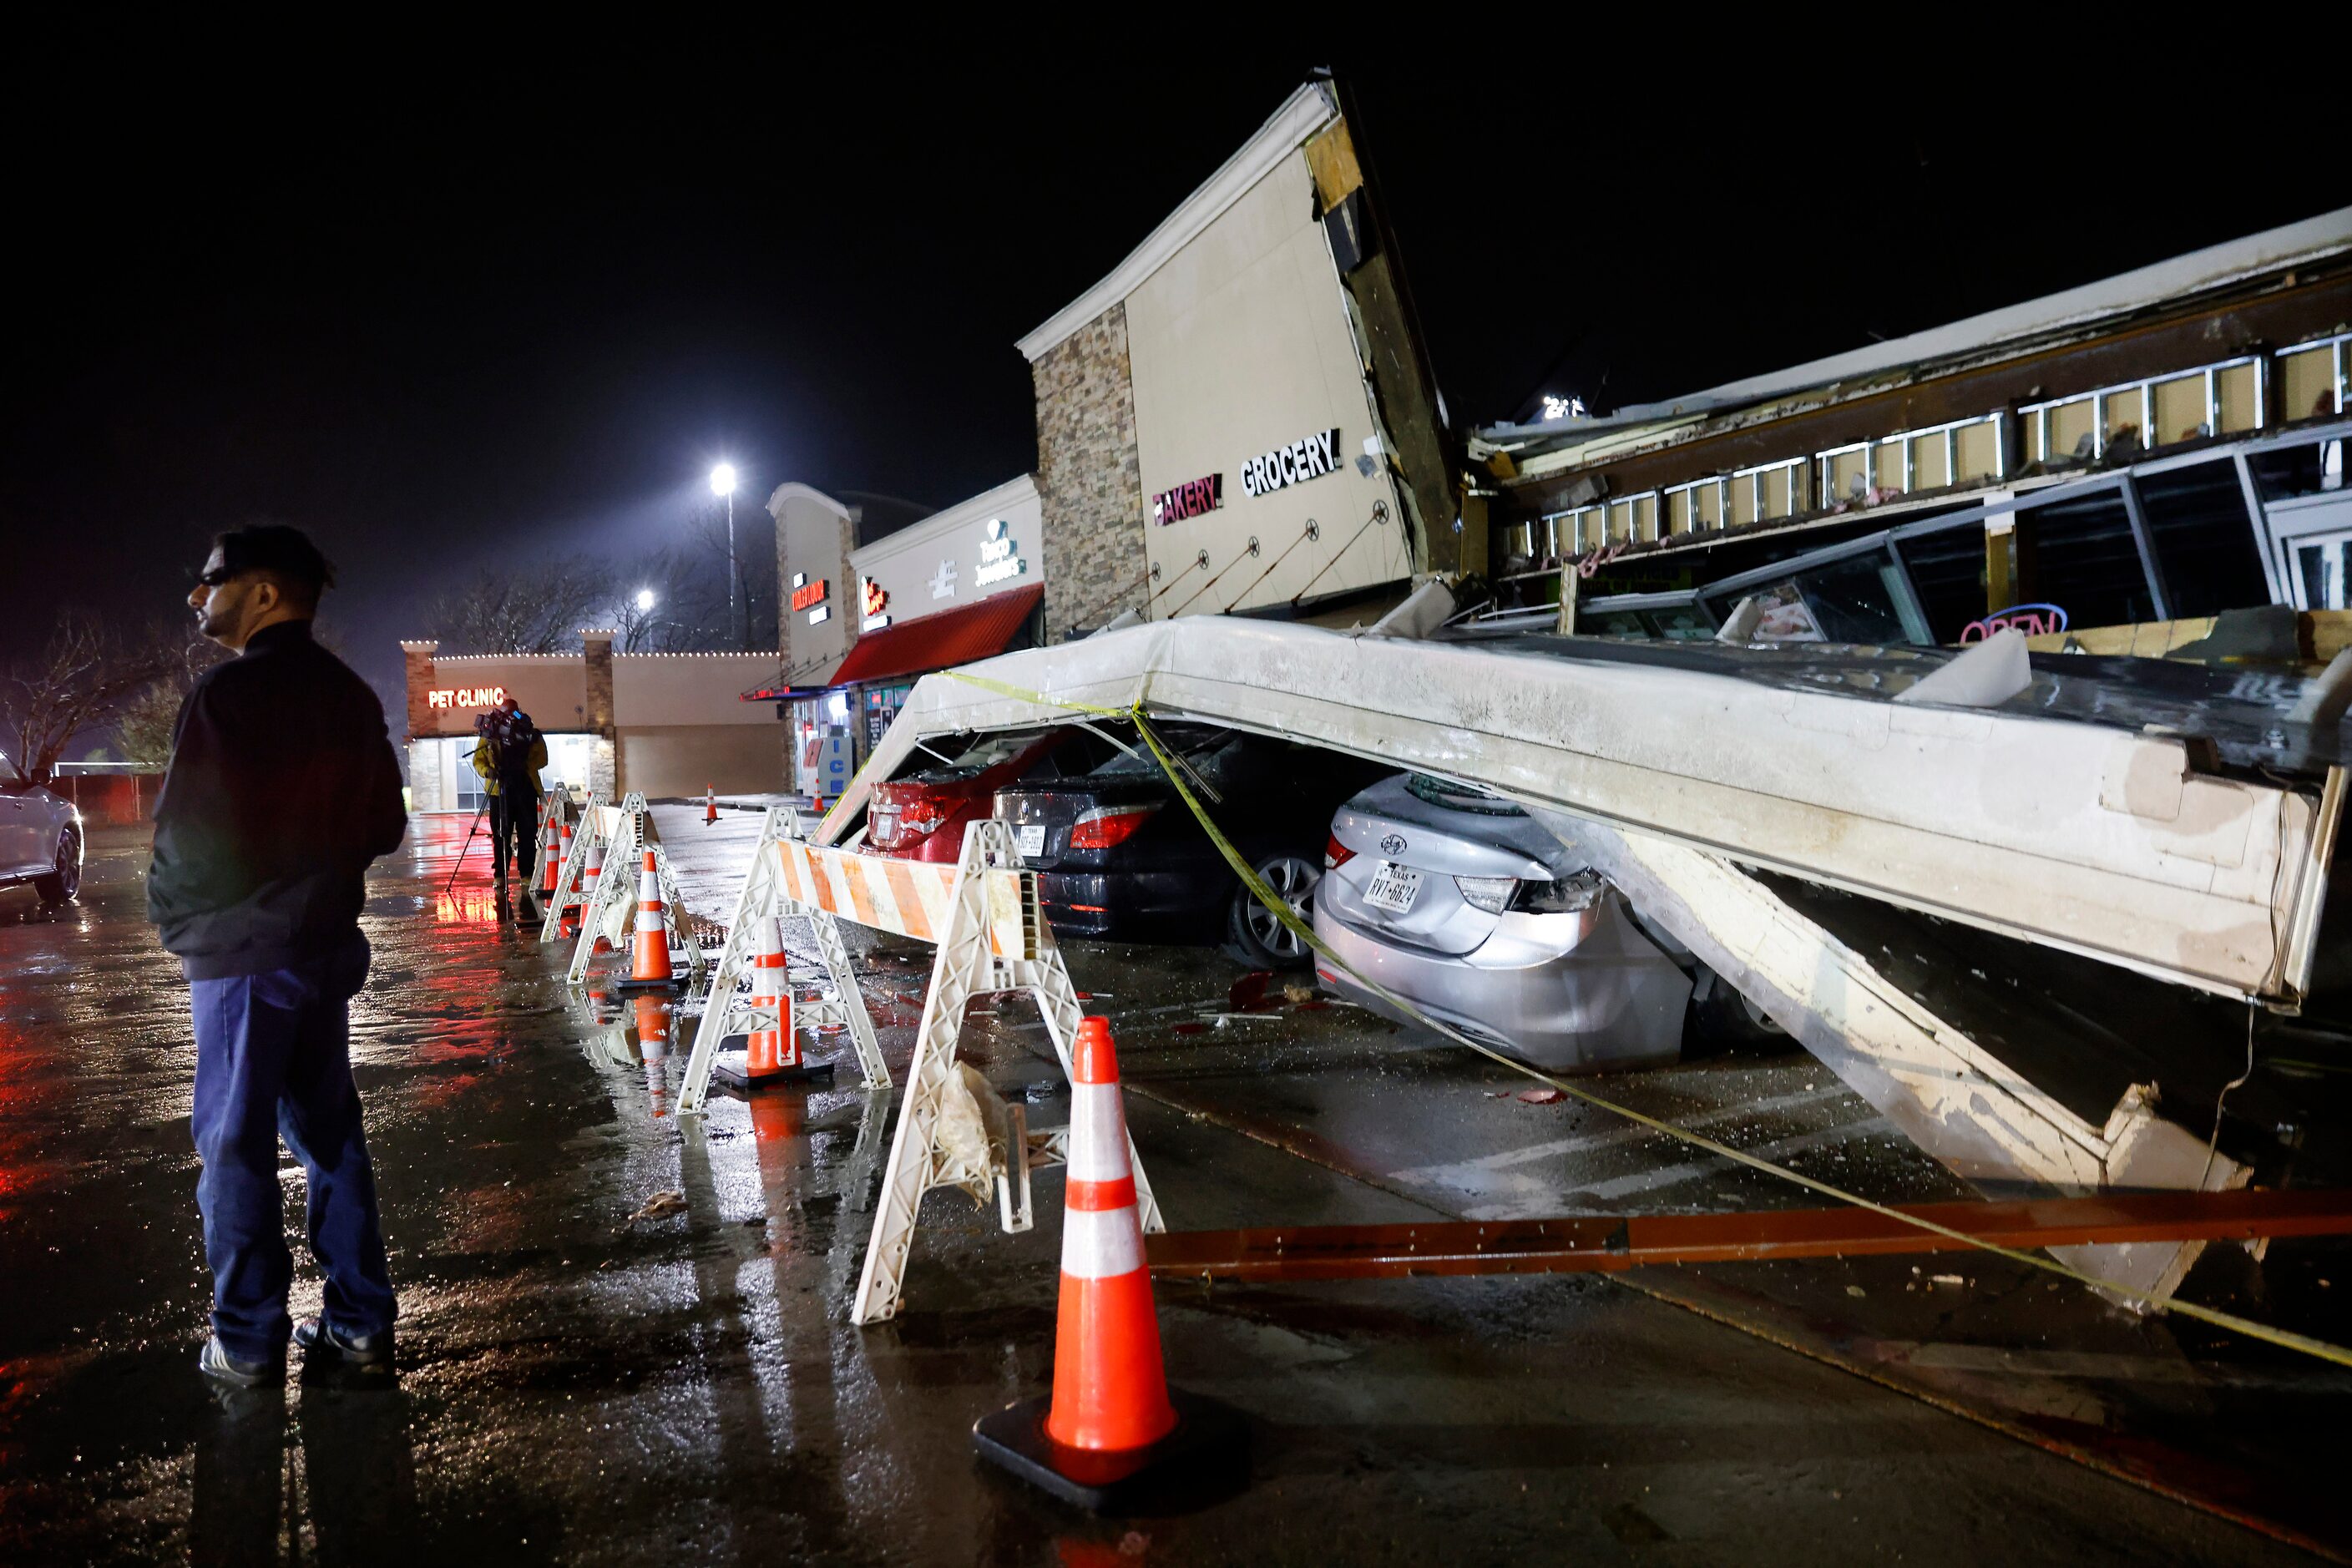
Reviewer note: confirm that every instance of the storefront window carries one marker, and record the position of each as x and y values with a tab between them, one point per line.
2087	561
2204	540
1946	569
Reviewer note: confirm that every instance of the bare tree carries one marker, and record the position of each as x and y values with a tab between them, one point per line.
143	731
669	603
86	677
537	609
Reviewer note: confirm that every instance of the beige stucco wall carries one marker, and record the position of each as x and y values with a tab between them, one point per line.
667	688
930	567
815	534
1240	343
679	760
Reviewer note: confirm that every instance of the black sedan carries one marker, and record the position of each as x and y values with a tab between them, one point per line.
1119	855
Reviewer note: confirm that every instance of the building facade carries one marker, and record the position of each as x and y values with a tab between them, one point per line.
663	724
2133	451
1238	418
872	618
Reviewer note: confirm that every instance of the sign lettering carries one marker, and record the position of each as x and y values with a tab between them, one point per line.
1310	459
809	594
997	561
1190	499
878	605
454	696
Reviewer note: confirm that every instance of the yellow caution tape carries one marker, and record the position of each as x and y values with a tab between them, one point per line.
1273	901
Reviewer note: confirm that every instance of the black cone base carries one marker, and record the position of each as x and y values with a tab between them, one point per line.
727	1071
674	982
1205	1457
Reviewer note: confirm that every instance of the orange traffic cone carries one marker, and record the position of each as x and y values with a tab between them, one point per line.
552	863
709	804
649	965
1112	1424
769	1055
653	1049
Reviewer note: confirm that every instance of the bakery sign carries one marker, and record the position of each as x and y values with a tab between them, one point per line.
1191	499
1309	459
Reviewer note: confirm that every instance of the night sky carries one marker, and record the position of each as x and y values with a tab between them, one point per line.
442	318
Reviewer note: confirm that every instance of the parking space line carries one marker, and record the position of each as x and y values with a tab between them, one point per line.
1587	1143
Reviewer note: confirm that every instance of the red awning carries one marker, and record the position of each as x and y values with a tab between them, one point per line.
940	641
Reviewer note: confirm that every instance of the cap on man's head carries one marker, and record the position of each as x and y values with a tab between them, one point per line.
282	554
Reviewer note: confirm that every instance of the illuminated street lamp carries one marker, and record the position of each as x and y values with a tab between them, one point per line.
722	483
644	598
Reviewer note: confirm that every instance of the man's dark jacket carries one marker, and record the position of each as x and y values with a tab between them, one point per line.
283	787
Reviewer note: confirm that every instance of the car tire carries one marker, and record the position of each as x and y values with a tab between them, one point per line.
62	885
1723	1018
1255	933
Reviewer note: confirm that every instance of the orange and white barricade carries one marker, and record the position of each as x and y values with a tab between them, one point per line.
984	917
610	911
590	844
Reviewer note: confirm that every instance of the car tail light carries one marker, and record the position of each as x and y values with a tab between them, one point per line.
1107	826
1492	894
919	817
1336	854
1567	896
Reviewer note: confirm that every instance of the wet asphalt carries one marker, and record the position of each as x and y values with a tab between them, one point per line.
590	1373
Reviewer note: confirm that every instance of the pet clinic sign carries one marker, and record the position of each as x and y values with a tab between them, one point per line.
461	696
1309	459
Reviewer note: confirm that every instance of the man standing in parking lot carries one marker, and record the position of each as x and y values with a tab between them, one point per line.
283	787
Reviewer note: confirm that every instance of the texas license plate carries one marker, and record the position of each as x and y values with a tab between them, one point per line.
1392	887
1030	838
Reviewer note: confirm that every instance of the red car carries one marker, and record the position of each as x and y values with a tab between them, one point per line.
922	816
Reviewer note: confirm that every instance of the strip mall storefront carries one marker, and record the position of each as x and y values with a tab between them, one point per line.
965	584
664	725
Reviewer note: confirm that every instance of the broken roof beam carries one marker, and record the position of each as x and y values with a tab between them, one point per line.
2095	840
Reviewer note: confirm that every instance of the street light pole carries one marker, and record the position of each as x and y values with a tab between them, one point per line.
722	482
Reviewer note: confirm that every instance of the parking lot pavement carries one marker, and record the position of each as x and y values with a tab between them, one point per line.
592	1376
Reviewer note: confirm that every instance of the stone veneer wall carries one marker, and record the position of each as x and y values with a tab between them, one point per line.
1089	480
596	649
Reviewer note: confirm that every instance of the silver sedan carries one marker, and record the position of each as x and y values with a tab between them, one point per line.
40	838
1462	904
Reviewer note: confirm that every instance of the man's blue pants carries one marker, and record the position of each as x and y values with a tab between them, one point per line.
273	1059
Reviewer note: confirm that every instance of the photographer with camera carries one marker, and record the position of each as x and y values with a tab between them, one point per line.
510	755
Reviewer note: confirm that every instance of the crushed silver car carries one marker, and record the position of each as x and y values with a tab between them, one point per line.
1461	903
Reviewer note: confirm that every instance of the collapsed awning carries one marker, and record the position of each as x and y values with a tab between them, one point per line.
940	641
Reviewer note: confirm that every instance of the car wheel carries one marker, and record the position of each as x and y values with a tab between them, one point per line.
1256	931
1724	1016
60	885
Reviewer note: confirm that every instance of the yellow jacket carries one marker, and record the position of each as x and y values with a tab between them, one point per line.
486	759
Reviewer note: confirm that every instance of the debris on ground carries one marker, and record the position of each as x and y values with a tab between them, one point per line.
1541	1096
660	1204
1296	993
1249	990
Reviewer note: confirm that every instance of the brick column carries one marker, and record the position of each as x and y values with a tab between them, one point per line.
418	659
596	648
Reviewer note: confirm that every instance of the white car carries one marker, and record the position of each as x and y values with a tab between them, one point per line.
40	838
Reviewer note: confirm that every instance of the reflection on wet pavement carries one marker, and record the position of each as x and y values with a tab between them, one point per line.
624	1335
